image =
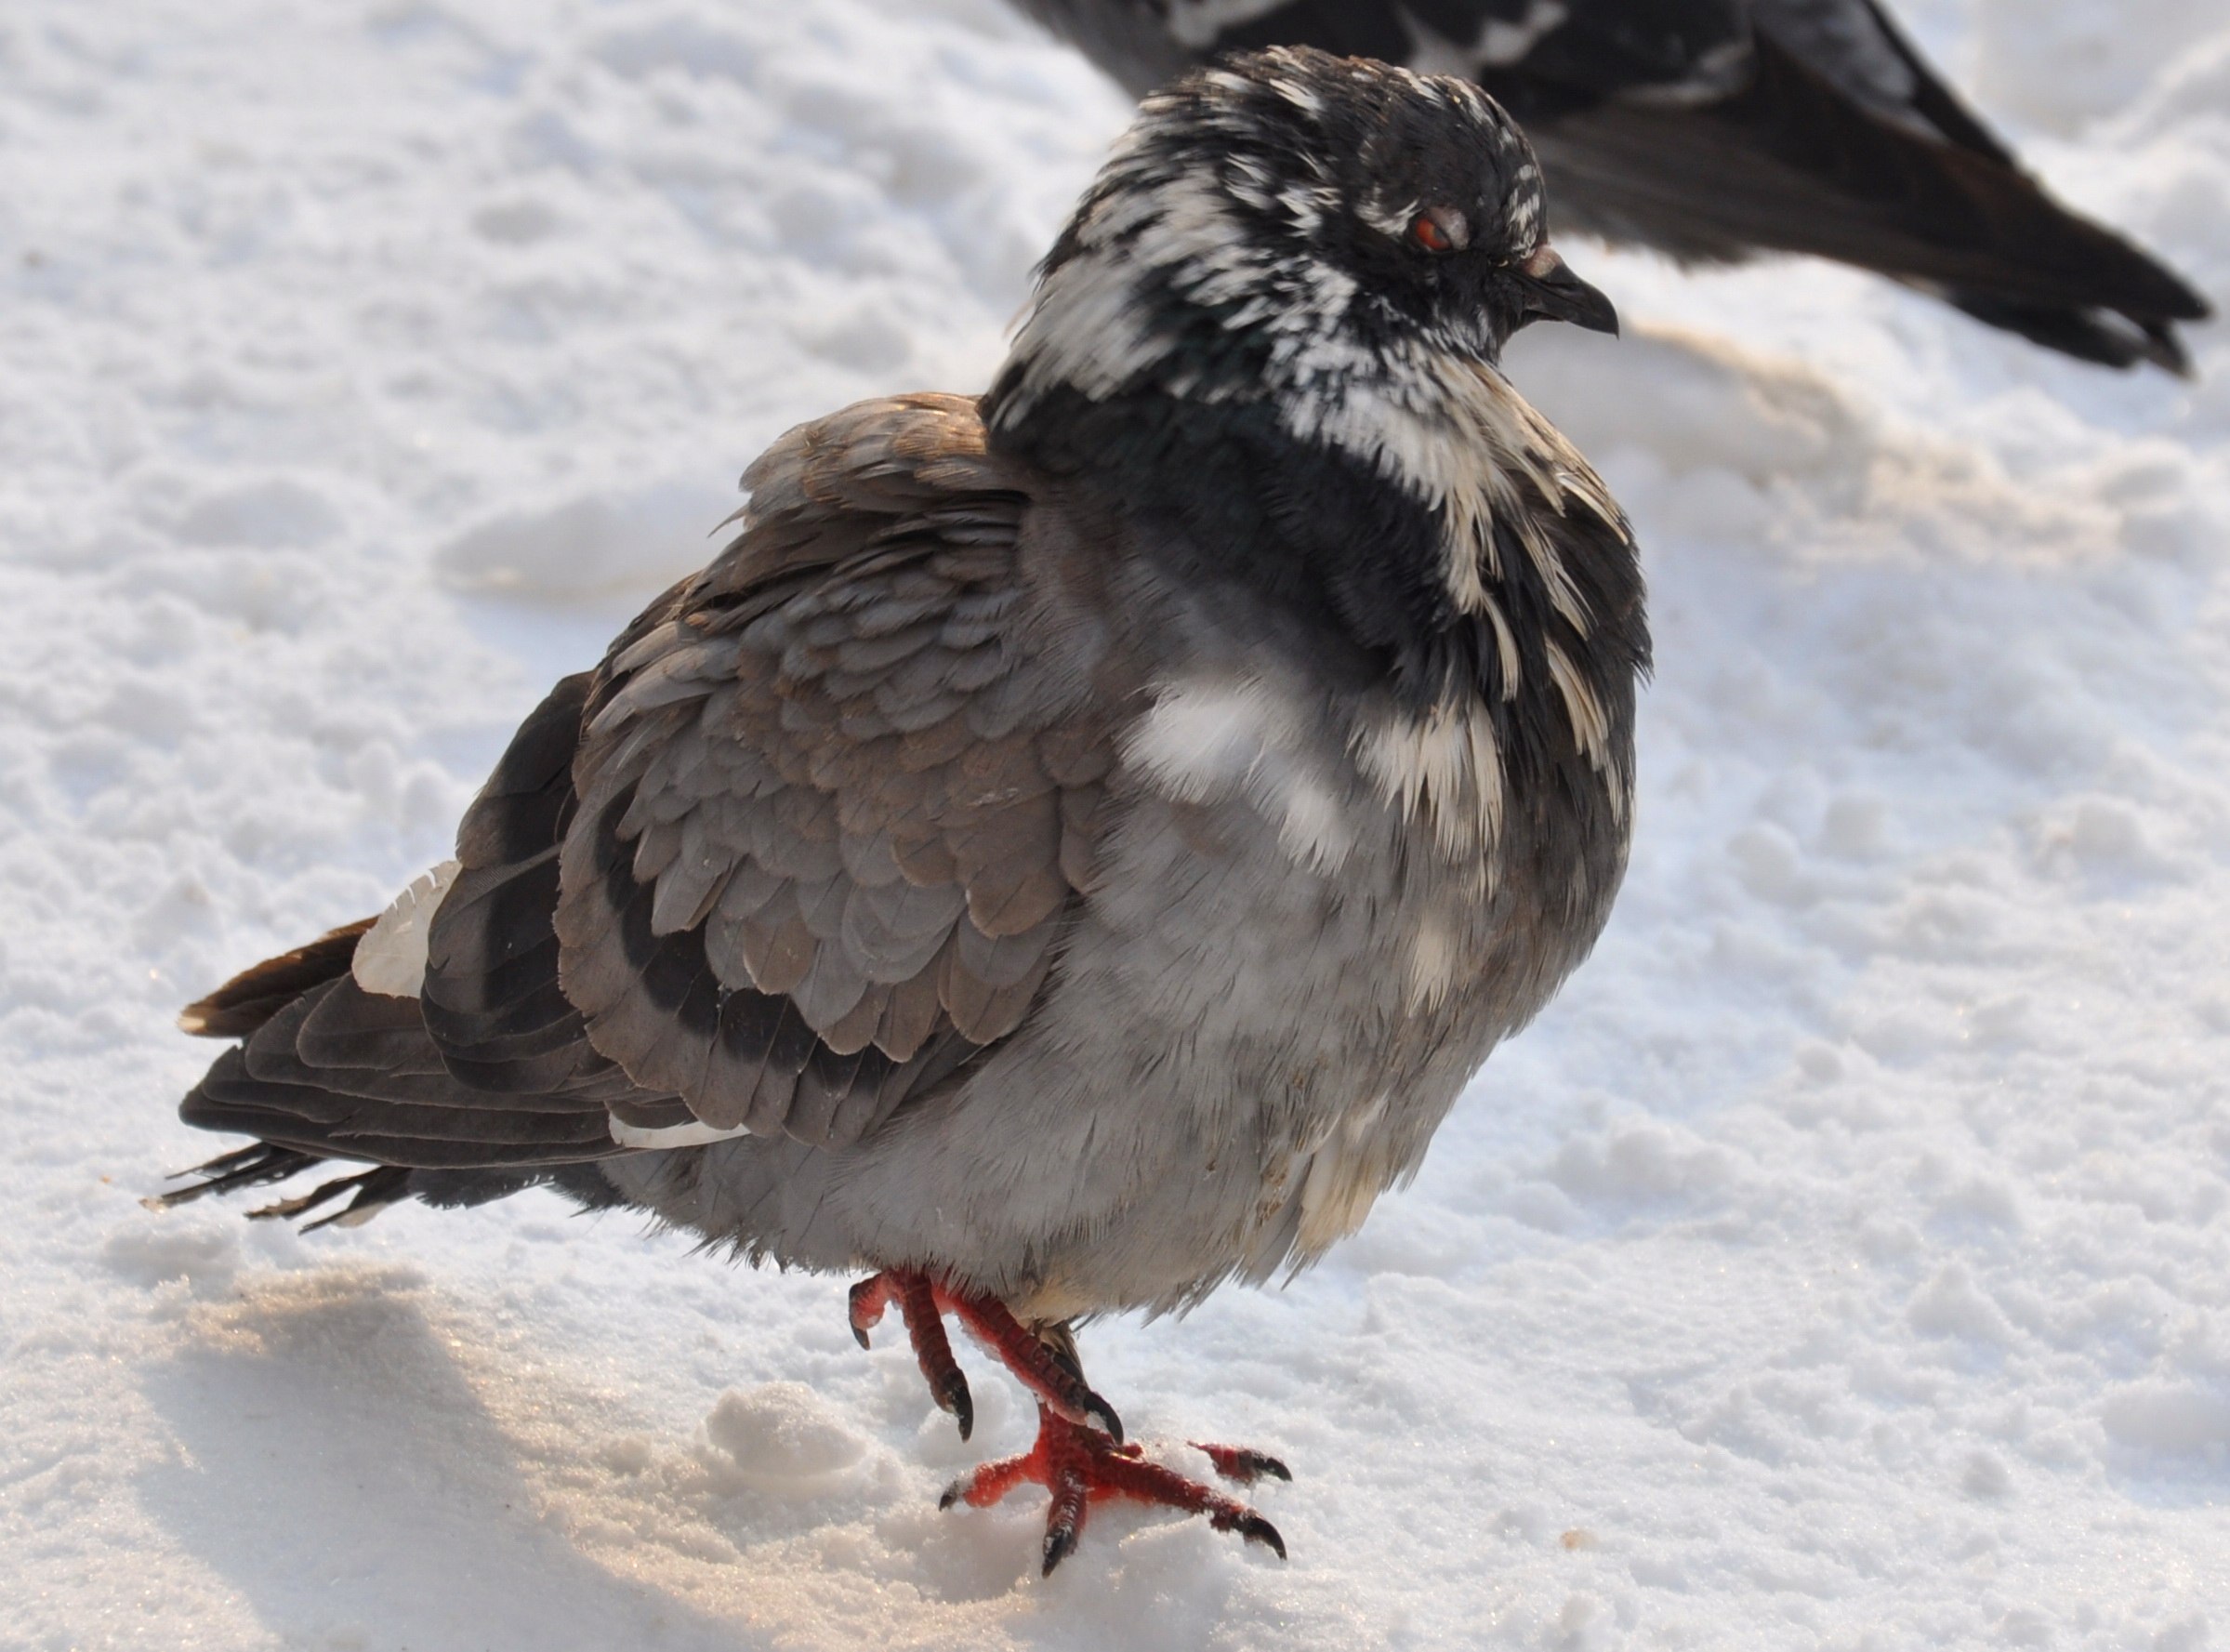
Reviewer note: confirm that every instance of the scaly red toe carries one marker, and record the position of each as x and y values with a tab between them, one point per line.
1080	1466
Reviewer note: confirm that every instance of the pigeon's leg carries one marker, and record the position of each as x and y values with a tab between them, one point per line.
1044	1362
1057	1382
917	1301
1081	1466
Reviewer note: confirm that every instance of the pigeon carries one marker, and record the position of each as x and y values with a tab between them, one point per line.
1072	846
1715	129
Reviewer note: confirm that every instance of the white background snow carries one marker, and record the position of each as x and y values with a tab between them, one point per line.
1843	1261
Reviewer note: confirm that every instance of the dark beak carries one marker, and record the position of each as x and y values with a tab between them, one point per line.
1552	290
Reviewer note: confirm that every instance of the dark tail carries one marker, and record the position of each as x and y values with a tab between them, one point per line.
325	1070
372	1190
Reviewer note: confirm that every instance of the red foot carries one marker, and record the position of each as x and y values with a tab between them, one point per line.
1037	1366
1081	1466
1080	1457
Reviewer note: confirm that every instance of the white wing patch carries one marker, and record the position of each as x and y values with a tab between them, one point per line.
1498	44
673	1135
390	959
1199	23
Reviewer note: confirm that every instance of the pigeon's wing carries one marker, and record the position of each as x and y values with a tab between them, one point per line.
2105	300
801	850
835	795
1712	130
1577	49
1858	47
1573	51
1790	161
824	807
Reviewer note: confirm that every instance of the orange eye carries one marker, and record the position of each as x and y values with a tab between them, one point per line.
1426	231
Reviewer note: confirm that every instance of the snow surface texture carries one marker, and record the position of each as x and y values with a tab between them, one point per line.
1844	1261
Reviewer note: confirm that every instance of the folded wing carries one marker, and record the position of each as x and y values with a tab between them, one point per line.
833	804
798	852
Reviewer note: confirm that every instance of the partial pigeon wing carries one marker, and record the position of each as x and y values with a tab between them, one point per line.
1790	162
1856	46
1583	48
1712	130
2112	303
834	797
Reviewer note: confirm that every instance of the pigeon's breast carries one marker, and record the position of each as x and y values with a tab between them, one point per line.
1322	831
1289	946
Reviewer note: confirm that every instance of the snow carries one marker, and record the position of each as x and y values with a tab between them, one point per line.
1843	1261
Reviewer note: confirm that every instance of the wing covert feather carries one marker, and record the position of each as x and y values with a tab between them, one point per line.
837	795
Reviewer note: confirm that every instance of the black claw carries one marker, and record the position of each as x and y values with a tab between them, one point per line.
953	1397
954	1492
1060	1542
1102	1416
1261	1466
860	1336
859	1331
1256	1529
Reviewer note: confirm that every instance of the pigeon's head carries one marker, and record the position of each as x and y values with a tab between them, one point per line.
1293	227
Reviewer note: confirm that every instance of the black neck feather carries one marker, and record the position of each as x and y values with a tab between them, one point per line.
1344	559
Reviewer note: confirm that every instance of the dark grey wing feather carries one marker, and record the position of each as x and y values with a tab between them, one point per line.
1788	163
491	1000
1857	46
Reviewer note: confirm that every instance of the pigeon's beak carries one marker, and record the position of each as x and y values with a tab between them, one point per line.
1552	290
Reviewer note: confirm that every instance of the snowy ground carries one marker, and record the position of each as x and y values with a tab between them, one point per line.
1844	1261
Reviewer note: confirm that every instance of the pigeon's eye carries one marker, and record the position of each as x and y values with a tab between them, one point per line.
1438	231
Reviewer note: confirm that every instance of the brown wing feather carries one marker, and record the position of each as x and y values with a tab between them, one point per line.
833	801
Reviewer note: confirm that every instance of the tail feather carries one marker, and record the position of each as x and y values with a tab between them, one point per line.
254	996
244	1166
375	1189
441	1102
